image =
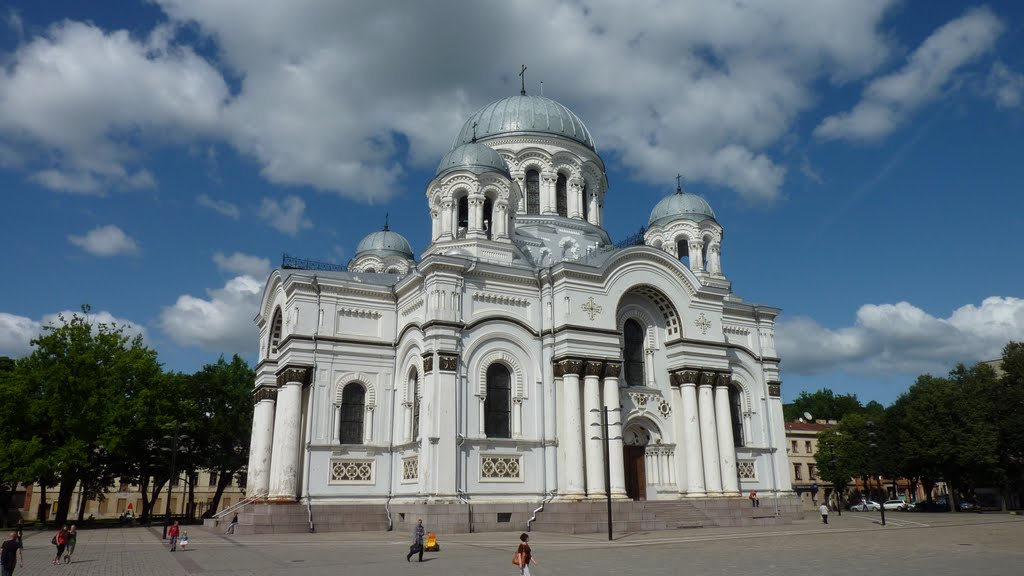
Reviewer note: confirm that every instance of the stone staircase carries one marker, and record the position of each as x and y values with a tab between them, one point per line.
627	516
293	518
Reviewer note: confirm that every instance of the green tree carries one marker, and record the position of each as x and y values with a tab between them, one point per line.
822	404
224	394
1004	398
69	386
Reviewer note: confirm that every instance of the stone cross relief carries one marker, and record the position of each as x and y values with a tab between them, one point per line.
591	308
703	323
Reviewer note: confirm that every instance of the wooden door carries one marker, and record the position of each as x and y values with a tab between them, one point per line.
636	477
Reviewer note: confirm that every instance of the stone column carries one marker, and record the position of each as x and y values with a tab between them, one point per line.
715	258
678	427
649	367
262	442
709	434
726	445
520	179
696	255
446	448
611	401
574	198
446	221
435	225
691	435
476	213
284	464
428	406
573	443
500	222
592	212
593	431
548	204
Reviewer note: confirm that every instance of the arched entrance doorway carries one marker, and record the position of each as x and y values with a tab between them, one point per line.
635	439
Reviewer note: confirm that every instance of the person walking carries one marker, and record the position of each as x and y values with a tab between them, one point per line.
231	527
754	500
823	509
60	540
524	555
72	541
172	533
417	541
11	555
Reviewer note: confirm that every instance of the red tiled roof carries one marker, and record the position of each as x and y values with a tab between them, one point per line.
806	426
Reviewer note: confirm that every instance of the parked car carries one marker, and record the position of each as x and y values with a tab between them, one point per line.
938	505
969	505
866	506
896	505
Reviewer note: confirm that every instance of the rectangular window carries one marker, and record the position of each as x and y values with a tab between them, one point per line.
797	474
793	445
175	480
807	447
102	509
213	479
810	472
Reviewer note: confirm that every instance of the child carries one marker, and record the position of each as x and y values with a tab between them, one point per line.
183	542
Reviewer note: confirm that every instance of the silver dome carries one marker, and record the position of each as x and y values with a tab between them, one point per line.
518	114
384	243
681	205
476	158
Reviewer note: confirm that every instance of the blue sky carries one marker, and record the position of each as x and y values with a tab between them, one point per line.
157	158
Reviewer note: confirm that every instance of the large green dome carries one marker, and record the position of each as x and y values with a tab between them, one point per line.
524	114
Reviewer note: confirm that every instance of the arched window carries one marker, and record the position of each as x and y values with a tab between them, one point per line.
498	408
533	192
414	386
275	334
683	249
353	406
736	414
393	270
633	353
463	221
488	224
561	196
586	202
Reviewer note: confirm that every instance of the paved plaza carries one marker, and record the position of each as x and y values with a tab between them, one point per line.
855	544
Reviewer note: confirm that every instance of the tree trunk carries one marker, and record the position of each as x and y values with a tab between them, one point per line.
42	511
224	479
81	506
64	494
192	476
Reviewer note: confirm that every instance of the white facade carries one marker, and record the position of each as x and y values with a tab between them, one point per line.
480	372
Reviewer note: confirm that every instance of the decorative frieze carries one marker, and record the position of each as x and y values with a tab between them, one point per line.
500	299
501	468
293	374
359	313
746	470
736	330
350	471
412	307
410	468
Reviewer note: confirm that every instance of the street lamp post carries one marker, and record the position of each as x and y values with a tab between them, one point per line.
607	465
872	438
174	461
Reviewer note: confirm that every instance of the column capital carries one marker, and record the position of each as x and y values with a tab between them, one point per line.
708	378
775	388
612	369
684	377
293	373
264	393
724	379
569	367
593	368
428	362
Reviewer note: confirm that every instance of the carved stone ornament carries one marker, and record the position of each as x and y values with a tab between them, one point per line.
688	376
594	368
264	393
775	389
447	362
592	308
574	367
293	374
724	379
559	370
428	363
676	378
612	369
708	378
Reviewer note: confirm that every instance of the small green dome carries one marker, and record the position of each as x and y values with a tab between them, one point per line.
384	243
681	205
519	114
476	158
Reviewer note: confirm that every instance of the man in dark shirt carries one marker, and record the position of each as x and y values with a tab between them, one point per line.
10	555
417	541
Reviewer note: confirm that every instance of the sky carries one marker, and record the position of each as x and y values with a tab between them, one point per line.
158	157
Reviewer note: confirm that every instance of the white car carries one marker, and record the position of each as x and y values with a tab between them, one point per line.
896	505
866	506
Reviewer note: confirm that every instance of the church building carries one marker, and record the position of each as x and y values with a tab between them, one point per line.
491	369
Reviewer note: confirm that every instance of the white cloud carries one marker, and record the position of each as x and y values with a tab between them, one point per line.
889	100
901	338
17	332
705	88
243	264
224	207
287	216
106	241
1005	85
222	323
